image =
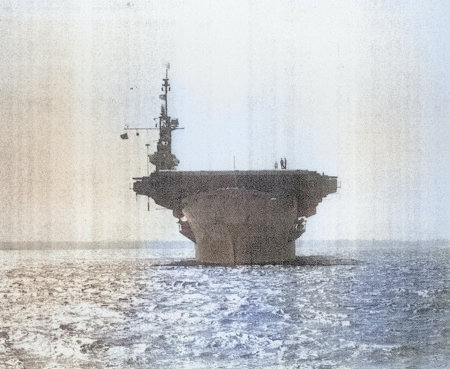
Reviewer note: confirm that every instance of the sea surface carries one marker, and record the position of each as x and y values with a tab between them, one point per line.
373	305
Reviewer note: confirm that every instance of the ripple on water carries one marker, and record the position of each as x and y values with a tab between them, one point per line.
123	312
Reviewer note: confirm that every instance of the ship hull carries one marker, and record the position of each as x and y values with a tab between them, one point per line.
238	226
234	217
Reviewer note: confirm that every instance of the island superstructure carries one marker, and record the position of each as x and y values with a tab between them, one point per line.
233	217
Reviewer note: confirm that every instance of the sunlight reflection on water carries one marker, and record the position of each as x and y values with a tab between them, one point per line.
115	308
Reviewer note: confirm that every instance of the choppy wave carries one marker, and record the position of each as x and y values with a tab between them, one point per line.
126	309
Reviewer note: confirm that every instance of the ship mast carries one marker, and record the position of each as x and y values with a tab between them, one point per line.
166	88
163	159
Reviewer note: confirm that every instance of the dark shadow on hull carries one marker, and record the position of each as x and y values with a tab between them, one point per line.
312	260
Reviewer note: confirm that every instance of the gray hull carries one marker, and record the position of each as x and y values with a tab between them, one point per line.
238	226
249	217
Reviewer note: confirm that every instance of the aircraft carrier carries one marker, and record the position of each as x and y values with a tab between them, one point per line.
233	217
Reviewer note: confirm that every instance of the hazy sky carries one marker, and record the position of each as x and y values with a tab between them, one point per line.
354	88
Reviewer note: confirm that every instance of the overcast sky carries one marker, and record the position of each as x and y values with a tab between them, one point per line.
354	88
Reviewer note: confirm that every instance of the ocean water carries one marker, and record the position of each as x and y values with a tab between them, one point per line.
128	308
